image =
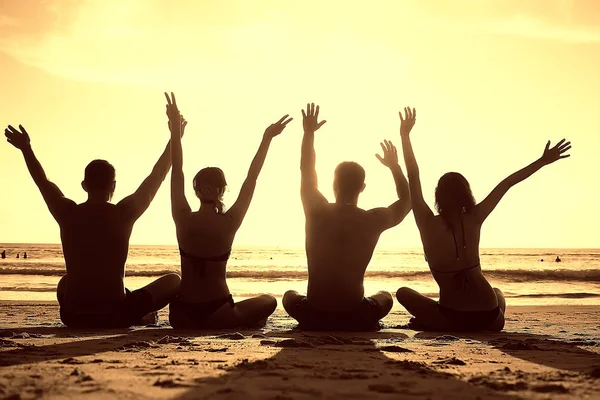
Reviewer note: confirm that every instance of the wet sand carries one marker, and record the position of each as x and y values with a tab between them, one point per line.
544	352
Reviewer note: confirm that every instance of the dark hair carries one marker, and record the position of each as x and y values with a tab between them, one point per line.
349	177
209	185
99	176
453	195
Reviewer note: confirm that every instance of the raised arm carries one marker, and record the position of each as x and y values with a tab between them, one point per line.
139	201
420	208
240	207
177	124
54	198
550	155
309	191
388	217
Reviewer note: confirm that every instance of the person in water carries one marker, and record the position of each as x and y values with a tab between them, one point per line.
467	301
205	238
25	255
95	240
558	259
3	254
340	240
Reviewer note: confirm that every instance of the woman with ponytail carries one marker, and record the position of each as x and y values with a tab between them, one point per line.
467	301
205	238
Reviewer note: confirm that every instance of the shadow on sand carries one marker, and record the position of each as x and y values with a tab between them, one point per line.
340	366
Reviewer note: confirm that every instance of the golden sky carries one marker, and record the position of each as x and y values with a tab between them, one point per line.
492	81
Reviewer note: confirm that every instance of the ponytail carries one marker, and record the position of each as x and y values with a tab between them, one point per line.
211	195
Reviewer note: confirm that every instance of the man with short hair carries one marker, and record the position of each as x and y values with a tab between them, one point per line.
340	240
95	239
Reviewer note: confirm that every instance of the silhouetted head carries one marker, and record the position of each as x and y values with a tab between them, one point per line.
348	180
99	179
453	195
209	185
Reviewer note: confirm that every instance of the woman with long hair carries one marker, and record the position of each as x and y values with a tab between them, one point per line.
450	239
205	238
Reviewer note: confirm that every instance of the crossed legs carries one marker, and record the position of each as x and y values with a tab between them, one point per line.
427	315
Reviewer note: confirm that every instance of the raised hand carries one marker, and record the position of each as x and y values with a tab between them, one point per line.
408	121
555	153
18	138
172	110
390	154
309	119
278	127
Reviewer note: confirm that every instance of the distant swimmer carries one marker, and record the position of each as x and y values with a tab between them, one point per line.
17	255
25	255
558	259
3	254
542	260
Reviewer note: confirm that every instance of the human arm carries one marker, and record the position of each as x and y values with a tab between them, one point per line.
177	124
550	155
53	196
309	192
421	210
240	207
139	201
394	214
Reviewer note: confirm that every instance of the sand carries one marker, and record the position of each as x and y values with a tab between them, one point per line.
545	352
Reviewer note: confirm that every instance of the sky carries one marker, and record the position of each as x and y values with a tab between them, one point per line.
492	82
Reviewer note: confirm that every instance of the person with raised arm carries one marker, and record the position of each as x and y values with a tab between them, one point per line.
205	238
467	301
95	241
340	240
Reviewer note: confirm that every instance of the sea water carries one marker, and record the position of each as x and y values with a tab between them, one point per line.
519	273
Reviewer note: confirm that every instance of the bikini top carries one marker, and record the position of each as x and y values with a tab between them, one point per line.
200	263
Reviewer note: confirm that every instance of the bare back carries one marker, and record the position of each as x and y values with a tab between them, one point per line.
95	240
204	235
453	256
340	240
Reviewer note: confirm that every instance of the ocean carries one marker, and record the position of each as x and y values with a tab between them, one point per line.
519	273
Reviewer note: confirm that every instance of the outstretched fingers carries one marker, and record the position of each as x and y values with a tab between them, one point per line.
557	145
171	101
27	134
282	118
564	147
383	147
12	129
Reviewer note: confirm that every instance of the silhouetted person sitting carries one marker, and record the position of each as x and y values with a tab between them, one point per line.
25	255
340	240
3	254
95	239
205	238
17	255
558	259
467	301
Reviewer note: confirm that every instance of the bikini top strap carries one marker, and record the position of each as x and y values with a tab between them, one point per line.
462	228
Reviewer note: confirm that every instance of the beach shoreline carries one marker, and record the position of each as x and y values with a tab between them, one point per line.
544	352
